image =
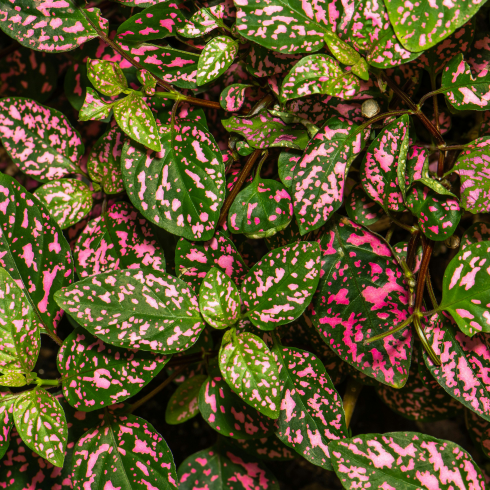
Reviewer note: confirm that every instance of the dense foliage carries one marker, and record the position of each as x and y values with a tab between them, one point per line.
243	200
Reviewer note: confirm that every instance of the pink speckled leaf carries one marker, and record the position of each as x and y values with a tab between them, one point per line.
33	250
232	97
401	248
125	453
7	401
220	467
263	448
319	177
40	140
106	77
479	430
318	74
383	167
136	309
104	161
194	259
96	375
479	232
465	289
251	371
311	413
183	404
48	26
361	294
19	330
67	200
286	164
262	62
203	21
280	286
148	81
403	461
94	107
361	208
40	420
464	364
219	299
216	58
227	413
119	239
181	188
13	380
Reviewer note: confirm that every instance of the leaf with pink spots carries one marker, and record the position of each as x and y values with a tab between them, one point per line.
281	285
220	467
263	448
67	200
33	250
401	249
123	452
232	97
403	461
94	107
262	62
183	404
318	74
194	259
40	420
319	176
479	232
136	309
119	239
465	289
106	77
96	375
288	235
219	299
286	164
249	368
20	340
362	293
361	208
40	140
216	58
203	21
311	413
383	167
181	188
227	413
479	430
49	26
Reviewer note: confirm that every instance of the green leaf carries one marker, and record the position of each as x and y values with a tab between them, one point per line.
219	299
403	460
286	164
361	208
40	140
96	375
341	50
232	97
311	413
106	77
123	452
318	74
19	330
183	404
280	286
368	298
67	200
136	309
464	91
361	69
119	239
33	250
216	58
251	371
13	380
182	188
478	232
319	176
465	289
41	423
148	81
52	26
136	119
94	107
202	22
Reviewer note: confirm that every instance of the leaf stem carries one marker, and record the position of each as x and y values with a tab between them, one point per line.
430	290
379	117
349	401
428	348
47	382
434	99
382	335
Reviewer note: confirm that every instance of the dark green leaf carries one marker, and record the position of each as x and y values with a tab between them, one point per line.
183	404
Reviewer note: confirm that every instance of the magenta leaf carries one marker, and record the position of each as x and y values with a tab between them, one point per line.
183	404
160	313
123	452
318	185
311	413
362	293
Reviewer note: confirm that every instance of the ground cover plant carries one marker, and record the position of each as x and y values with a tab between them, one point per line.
225	225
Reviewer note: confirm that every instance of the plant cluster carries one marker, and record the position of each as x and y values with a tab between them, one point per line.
247	197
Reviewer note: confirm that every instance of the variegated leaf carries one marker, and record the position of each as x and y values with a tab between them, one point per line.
67	200
119	239
251	371
40	140
202	22
361	294
403	460
136	309
106	77
311	413
361	208
13	380
125	453
479	430
262	62
479	232
286	164
264	448
181	188
94	108
232	97
216	58
319	177
183	404
280	286
96	375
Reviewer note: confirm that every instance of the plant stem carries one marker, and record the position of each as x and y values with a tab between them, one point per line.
159	388
430	290
350	398
379	117
47	382
434	99
412	249
380	336
428	348
410	229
